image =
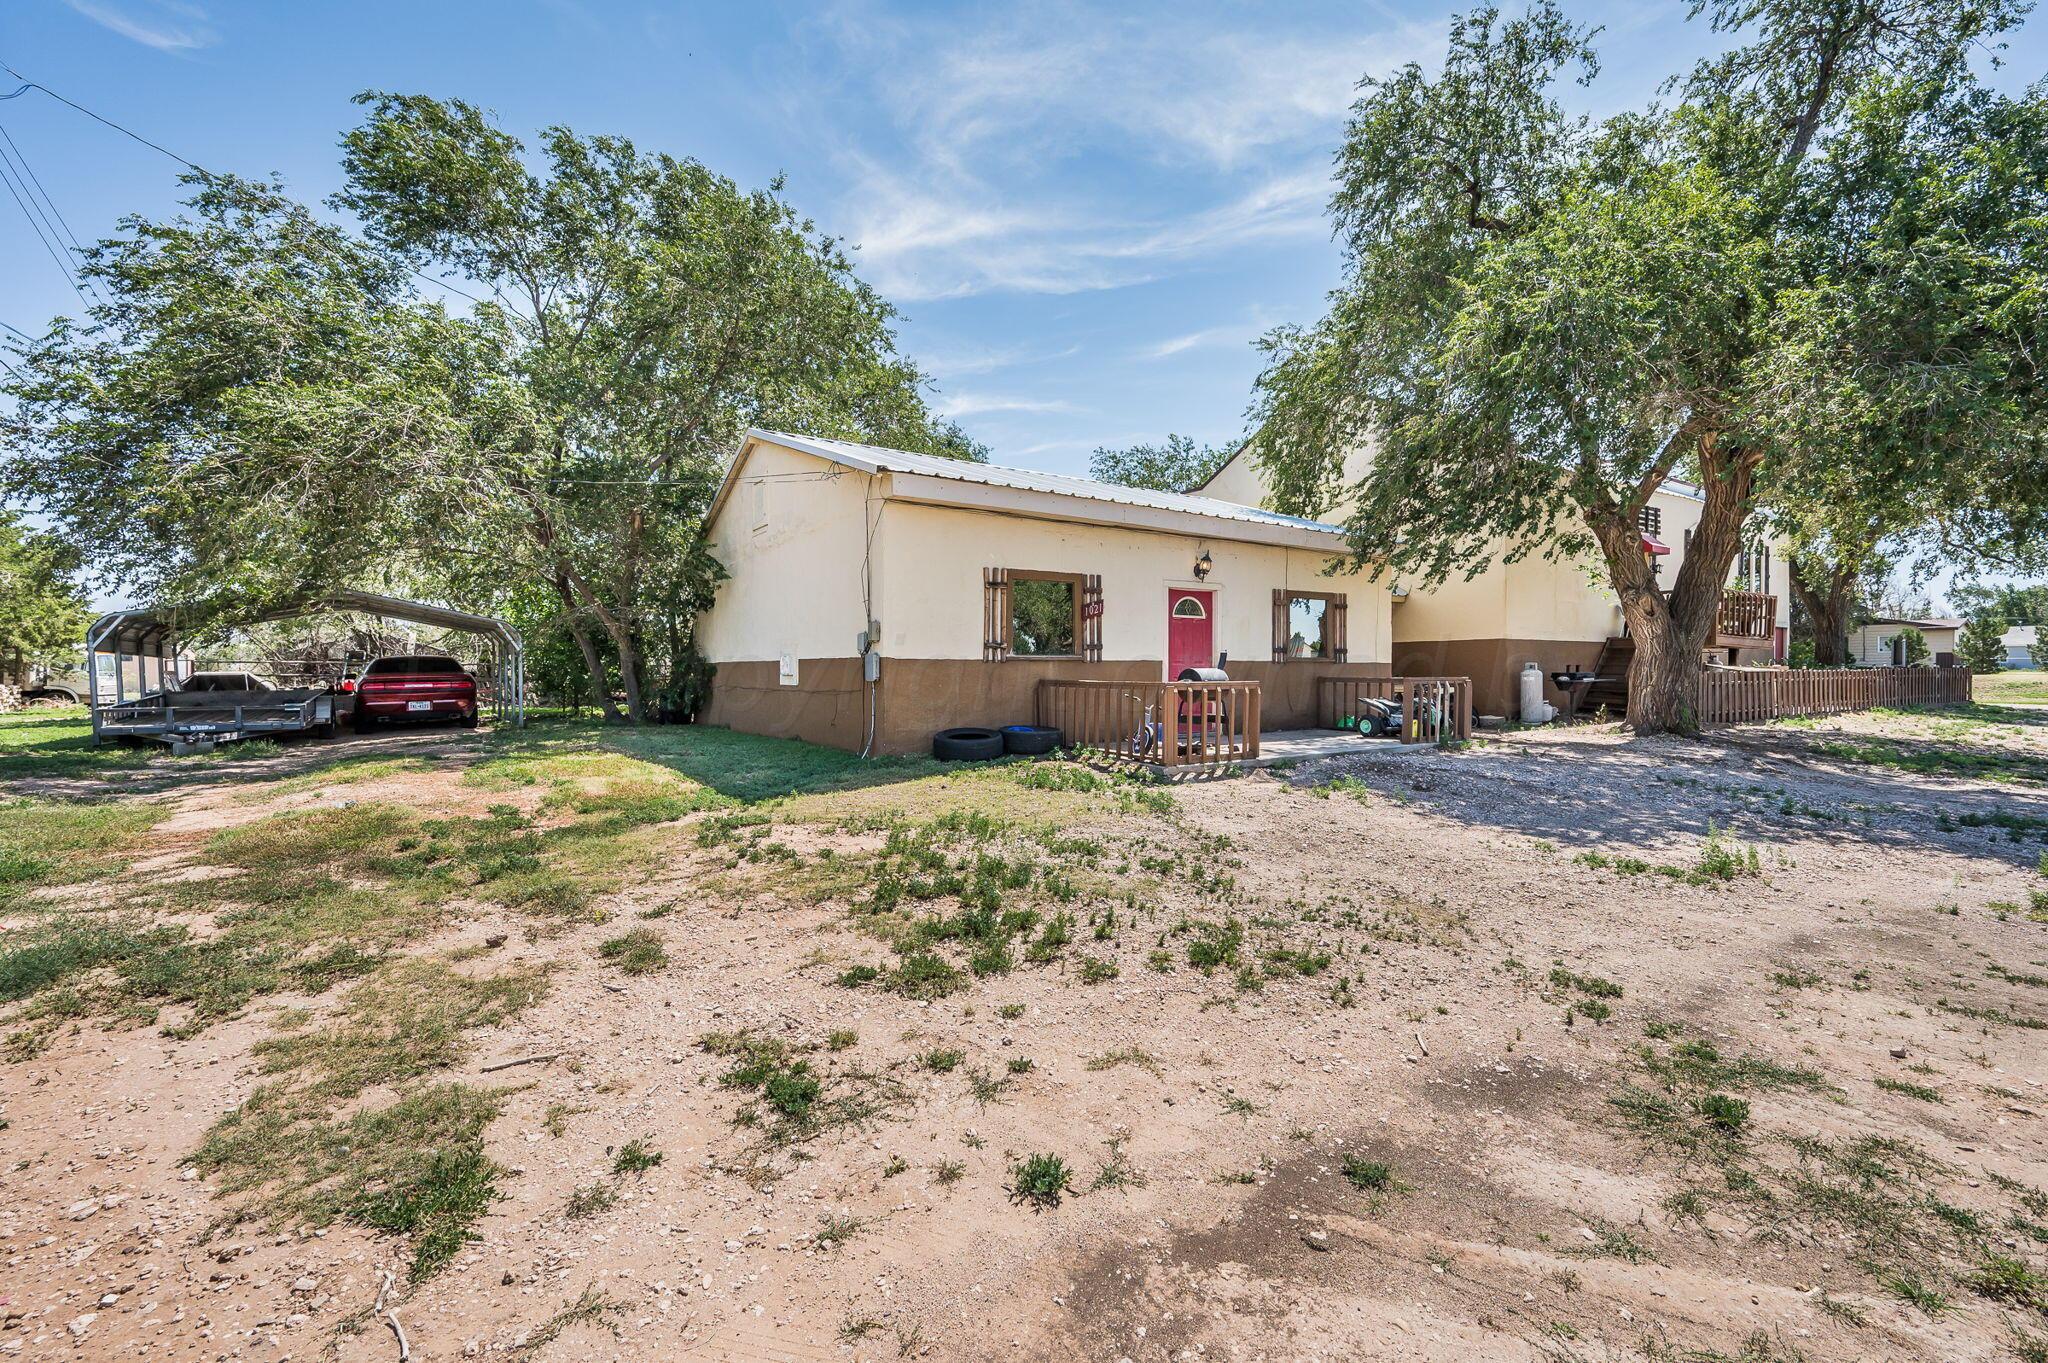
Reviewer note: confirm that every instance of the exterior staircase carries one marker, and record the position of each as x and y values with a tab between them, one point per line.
1610	687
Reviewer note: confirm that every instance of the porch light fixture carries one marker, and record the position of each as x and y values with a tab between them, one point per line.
1202	566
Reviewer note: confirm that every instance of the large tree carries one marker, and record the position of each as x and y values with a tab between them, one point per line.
259	408
1544	317
1904	390
652	311
265	405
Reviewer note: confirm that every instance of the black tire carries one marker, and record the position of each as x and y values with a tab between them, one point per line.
324	729
966	745
1030	740
469	721
365	723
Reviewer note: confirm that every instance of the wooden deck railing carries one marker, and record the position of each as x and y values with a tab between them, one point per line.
1746	615
1433	709
1743	695
1172	724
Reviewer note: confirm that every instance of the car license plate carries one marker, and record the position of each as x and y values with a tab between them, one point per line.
419	705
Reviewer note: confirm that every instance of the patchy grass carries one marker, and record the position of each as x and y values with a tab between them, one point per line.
2023	684
1938	758
413	1167
635	1157
639	952
592	1308
54	842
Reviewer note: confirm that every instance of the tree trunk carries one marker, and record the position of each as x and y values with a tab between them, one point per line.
629	674
1826	603
1671	633
588	647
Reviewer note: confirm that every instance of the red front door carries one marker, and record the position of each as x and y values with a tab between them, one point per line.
1190	630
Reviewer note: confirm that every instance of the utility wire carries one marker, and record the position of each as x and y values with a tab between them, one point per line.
7	178
192	166
50	203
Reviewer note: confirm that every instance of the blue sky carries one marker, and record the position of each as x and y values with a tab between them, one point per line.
1085	212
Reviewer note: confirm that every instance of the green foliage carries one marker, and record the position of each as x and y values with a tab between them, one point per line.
639	952
1178	465
43	609
1979	646
1369	1176
1912	645
1040	1180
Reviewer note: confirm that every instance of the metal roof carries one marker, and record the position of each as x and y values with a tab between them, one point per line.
1917	624
878	459
138	629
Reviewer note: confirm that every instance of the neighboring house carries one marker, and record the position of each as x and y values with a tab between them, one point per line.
1558	614
981	580
1881	643
2019	645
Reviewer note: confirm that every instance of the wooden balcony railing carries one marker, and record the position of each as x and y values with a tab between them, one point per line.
1170	724
1746	615
1433	709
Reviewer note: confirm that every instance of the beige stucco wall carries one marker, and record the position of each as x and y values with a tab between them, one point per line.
1237	481
791	540
933	558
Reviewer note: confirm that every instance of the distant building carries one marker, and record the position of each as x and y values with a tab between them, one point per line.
2019	645
1882	643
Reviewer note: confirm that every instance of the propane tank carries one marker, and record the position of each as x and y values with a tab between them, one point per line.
1535	709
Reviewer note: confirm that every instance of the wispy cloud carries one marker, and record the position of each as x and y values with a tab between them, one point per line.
166	25
989	172
919	241
1193	340
982	404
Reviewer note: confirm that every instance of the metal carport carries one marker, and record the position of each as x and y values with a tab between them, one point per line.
149	634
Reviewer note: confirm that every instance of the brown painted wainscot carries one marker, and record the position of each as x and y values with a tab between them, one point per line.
919	696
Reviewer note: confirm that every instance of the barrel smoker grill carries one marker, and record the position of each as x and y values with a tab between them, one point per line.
1194	713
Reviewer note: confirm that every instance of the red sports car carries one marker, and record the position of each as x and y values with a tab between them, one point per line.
413	688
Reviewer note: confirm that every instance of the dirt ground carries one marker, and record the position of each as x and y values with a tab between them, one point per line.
1459	1088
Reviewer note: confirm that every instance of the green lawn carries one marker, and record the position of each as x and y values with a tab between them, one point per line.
2031	685
744	767
57	742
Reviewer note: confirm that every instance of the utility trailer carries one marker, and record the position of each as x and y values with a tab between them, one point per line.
197	721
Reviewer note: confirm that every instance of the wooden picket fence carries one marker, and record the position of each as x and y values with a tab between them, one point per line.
1168	724
1745	695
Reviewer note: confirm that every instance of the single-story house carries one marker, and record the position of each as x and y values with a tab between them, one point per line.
2019	644
1557	613
1881	643
874	590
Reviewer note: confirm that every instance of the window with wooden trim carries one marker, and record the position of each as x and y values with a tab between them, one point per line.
1308	625
1031	614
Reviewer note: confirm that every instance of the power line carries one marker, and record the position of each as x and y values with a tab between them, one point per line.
7	178
22	157
190	165
45	209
